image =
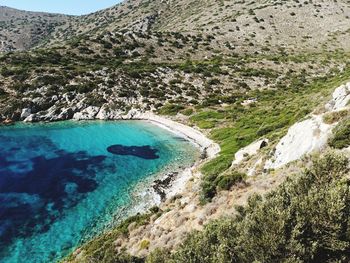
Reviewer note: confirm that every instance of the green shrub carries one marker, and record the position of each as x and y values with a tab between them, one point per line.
158	256
225	182
341	136
306	219
332	117
144	244
187	112
170	109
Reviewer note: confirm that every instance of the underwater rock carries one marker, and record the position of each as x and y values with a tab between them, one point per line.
144	152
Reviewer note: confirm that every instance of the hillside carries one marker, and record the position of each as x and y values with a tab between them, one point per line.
21	30
242	72
245	26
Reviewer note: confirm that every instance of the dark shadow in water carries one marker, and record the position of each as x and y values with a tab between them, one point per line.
31	199
144	152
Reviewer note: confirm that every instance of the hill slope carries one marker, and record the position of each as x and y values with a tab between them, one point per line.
243	25
20	30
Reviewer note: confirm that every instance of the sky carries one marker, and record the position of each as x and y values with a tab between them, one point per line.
69	7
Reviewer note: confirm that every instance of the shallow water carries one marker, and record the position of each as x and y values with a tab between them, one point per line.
62	183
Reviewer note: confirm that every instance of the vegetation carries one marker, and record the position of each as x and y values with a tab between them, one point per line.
224	56
332	117
306	219
276	111
102	248
341	136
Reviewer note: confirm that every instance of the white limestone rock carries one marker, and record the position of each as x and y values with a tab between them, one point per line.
302	138
88	113
341	97
106	113
249	150
25	113
31	118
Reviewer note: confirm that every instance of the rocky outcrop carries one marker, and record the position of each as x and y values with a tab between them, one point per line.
145	24
249	150
302	138
87	114
106	113
309	135
25	113
341	97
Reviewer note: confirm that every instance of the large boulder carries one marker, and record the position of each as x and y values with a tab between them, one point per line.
32	118
66	114
25	113
249	150
302	138
340	98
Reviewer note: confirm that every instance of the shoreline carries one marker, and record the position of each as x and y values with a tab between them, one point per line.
171	181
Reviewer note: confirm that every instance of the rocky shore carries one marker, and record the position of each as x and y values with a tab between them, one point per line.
165	186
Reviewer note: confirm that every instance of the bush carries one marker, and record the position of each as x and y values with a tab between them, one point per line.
341	137
144	244
170	109
332	117
225	182
187	112
306	219
158	256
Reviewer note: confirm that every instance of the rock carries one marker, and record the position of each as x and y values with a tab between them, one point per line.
252	170
145	24
302	138
25	113
16	116
341	97
31	118
87	114
133	114
66	114
50	115
160	186
249	101
249	150
106	113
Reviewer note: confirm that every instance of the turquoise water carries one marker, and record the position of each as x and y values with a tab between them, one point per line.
62	183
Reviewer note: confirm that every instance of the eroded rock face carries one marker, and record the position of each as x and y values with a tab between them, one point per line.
249	150
302	138
87	114
25	113
341	97
106	113
309	135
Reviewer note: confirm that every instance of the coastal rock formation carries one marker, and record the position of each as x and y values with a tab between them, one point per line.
106	113
25	113
87	114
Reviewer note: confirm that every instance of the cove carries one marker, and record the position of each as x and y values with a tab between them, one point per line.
62	183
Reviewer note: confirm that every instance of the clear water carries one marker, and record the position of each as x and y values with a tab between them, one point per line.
59	185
